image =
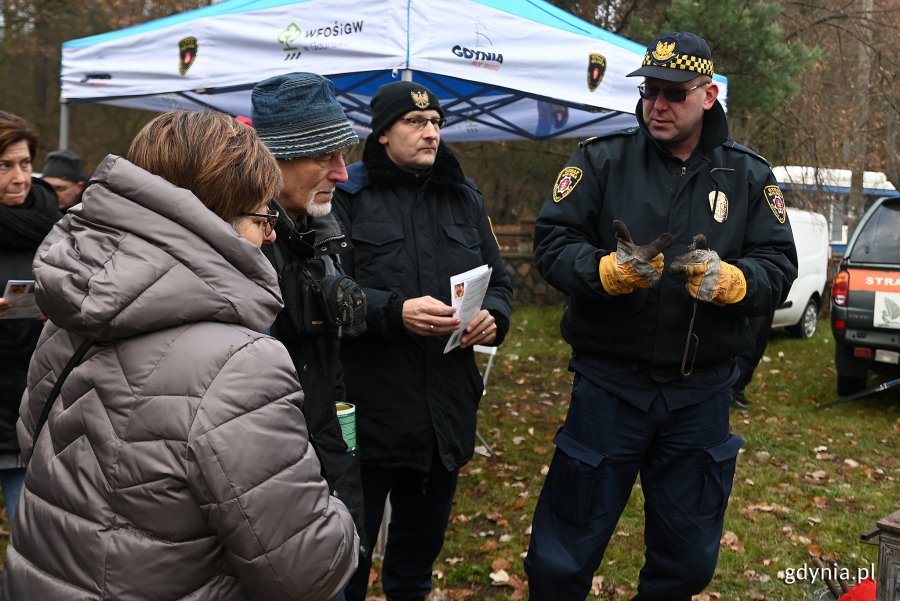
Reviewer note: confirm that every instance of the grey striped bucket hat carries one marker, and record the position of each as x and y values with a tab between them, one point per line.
297	115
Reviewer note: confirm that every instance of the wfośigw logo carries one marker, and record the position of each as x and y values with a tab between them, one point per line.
286	38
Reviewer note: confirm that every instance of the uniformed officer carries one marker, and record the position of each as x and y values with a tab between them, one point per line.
654	347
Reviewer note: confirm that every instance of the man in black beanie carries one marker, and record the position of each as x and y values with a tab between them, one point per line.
415	221
62	170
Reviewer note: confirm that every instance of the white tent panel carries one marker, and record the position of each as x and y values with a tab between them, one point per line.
513	52
234	48
503	69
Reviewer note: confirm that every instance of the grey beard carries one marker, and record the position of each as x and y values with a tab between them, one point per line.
314	209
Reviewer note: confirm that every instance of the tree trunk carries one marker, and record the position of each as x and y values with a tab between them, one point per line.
857	145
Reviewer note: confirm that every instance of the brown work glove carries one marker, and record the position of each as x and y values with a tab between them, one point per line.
710	279
632	266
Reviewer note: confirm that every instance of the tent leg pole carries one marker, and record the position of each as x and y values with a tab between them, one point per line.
406	75
63	125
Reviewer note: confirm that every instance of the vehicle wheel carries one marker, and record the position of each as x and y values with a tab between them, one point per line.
806	327
847	385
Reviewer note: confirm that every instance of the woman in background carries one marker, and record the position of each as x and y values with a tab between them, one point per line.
175	463
28	210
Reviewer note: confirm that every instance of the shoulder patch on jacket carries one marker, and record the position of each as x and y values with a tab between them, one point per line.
566	181
741	148
775	199
628	131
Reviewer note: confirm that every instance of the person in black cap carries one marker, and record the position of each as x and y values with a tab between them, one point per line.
62	170
415	221
654	347
301	122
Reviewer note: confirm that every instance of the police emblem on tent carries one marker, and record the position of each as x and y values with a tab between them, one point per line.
187	50
596	70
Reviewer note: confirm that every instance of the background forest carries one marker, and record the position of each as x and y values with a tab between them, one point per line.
810	82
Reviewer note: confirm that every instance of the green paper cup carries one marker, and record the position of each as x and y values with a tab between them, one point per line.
347	417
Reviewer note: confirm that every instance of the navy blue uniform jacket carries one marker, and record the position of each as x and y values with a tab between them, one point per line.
629	176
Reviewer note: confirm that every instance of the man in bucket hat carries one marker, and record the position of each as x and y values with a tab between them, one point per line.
299	119
415	220
654	349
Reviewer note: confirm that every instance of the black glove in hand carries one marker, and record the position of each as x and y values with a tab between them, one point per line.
632	266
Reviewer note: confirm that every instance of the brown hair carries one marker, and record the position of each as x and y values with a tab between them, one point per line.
219	159
15	129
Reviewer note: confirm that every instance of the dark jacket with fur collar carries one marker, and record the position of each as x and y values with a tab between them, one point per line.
411	232
22	229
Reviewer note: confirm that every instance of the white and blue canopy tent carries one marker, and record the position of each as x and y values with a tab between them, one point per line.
503	69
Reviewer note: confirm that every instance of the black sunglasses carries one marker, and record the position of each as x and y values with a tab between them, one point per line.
268	219
671	94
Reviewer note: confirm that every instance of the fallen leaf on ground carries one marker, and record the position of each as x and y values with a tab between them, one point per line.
596	585
817	476
731	541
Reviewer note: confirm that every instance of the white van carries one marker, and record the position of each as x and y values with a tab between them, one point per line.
800	311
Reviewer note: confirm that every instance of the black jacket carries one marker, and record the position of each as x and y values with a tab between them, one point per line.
629	176
410	234
28	223
314	244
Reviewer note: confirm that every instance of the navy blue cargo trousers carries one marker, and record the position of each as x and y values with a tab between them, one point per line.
686	461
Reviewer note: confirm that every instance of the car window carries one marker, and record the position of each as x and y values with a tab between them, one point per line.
879	238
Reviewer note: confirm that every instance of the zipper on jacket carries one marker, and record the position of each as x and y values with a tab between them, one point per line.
683	169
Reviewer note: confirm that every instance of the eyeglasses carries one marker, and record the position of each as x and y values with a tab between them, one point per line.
267	220
671	94
418	123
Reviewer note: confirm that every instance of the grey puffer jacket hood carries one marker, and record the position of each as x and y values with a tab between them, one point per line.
144	255
175	463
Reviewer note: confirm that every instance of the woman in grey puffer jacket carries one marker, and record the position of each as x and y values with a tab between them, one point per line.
175	463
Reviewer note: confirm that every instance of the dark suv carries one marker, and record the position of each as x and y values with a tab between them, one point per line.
865	299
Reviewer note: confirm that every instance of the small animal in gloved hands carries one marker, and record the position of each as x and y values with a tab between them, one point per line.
710	279
633	266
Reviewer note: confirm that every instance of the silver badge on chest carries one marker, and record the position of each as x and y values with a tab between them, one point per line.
718	204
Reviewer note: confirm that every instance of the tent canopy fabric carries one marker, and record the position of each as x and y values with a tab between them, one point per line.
503	69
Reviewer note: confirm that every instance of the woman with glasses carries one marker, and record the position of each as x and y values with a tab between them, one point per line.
28	210
175	462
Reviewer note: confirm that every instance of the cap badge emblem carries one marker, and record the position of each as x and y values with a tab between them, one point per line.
664	51
420	99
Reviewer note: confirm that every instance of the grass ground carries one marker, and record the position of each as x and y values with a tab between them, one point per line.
808	482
